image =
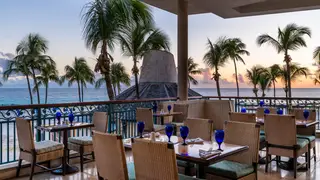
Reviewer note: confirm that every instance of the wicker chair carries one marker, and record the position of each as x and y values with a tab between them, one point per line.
155	160
200	128
35	152
110	157
178	120
146	115
281	139
243	165
260	111
83	144
307	133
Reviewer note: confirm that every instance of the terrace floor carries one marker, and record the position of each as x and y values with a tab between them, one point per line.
274	173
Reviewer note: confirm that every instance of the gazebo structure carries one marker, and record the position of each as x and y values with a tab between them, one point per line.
224	9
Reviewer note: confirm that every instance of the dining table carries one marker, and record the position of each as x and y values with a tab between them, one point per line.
191	152
64	128
162	115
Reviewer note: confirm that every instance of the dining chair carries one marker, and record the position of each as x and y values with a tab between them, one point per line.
200	128
281	140
110	157
178	120
243	165
260	111
308	133
155	160
83	144
146	115
35	152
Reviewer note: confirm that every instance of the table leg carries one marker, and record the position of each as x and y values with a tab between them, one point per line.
65	167
200	171
162	120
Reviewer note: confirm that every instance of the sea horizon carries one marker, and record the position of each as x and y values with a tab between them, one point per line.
20	96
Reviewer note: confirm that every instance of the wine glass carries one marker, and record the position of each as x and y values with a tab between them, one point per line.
280	111
219	136
58	116
71	118
243	110
261	103
306	114
169	131
266	111
169	108
184	131
140	125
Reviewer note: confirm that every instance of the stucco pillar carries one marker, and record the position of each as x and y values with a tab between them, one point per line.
183	49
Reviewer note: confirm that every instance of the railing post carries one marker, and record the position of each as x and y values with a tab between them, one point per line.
38	135
110	122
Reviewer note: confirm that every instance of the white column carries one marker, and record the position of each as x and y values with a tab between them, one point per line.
183	49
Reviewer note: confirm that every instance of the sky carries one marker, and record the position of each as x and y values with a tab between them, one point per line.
59	21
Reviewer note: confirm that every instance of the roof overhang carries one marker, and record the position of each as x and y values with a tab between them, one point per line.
237	8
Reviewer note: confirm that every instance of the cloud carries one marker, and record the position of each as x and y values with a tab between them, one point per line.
240	78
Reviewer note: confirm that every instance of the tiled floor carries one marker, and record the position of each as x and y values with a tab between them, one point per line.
274	173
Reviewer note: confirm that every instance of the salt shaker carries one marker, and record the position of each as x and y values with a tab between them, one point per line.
153	136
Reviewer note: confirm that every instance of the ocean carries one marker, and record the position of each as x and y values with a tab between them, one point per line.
10	96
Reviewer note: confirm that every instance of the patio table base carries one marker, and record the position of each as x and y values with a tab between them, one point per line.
69	170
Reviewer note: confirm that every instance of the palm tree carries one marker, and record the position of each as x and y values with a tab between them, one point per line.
17	67
118	76
103	22
253	75
48	73
264	82
274	72
136	40
295	71
192	70
290	38
31	50
216	57
316	54
236	48
79	73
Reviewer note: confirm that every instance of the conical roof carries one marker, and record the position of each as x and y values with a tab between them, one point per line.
158	78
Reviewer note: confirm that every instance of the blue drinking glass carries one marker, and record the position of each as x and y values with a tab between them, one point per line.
280	111
219	136
140	125
169	131
184	131
261	103
243	110
306	114
169	108
71	118
266	111
58	116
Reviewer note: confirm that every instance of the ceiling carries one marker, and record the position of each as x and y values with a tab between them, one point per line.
237	8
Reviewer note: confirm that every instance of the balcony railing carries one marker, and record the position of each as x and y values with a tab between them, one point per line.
121	117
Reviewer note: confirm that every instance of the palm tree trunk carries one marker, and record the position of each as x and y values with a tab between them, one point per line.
274	89
114	89
35	84
29	88
135	72
82	92
289	78
119	88
216	78
107	77
46	95
79	91
236	74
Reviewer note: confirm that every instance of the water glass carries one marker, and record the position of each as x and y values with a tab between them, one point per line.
58	116
71	118
306	114
184	131
169	108
261	103
280	111
219	136
243	110
266	111
140	125
169	131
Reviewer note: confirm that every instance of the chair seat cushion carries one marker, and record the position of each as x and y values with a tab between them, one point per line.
47	146
262	132
302	142
229	169
83	140
132	173
184	177
309	138
262	138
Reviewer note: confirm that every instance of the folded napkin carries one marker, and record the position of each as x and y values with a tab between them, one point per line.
208	153
195	141
157	134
